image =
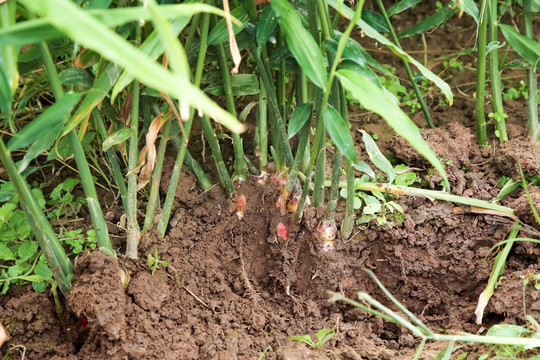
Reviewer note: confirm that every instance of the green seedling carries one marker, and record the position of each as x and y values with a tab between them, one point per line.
531	278
154	262
63	202
79	242
322	336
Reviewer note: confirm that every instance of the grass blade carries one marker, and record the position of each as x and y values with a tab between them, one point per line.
373	98
301	43
89	32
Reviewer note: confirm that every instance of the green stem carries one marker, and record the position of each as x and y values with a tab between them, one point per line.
56	257
334	188
532	86
117	171
192	31
153	199
481	77
100	227
239	166
496	88
407	68
277	126
223	173
320	134
194	166
262	128
133	159
348	221
175	175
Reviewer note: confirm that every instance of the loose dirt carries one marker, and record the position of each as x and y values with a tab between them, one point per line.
234	289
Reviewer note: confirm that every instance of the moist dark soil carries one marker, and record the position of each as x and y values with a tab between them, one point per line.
234	289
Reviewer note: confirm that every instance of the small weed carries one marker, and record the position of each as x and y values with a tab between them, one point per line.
322	336
63	202
79	242
154	262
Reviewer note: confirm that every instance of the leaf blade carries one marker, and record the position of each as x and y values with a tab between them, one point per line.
339	132
374	99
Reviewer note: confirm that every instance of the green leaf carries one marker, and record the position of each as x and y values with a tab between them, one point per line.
5	91
5	253
507	189
300	42
42	144
374	99
87	31
6	211
116	138
102	84
401	6
469	7
377	158
96	4
527	48
220	33
431	21
40	286
39	30
298	118
50	118
301	338
370	32
339	132
242	85
153	47
265	27
27	250
494	45
365	168
375	20
353	50
76	77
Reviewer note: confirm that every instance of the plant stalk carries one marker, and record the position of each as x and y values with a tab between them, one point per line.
239	165
153	199
481	132
100	227
496	87
57	259
410	74
532	86
175	175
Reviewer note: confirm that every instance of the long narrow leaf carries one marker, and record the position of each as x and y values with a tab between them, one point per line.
431	21
525	47
374	99
89	32
301	43
339	132
38	30
153	47
49	119
372	33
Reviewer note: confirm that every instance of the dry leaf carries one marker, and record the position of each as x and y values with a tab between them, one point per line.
151	136
233	46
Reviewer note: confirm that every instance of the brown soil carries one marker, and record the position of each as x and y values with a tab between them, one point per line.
234	289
